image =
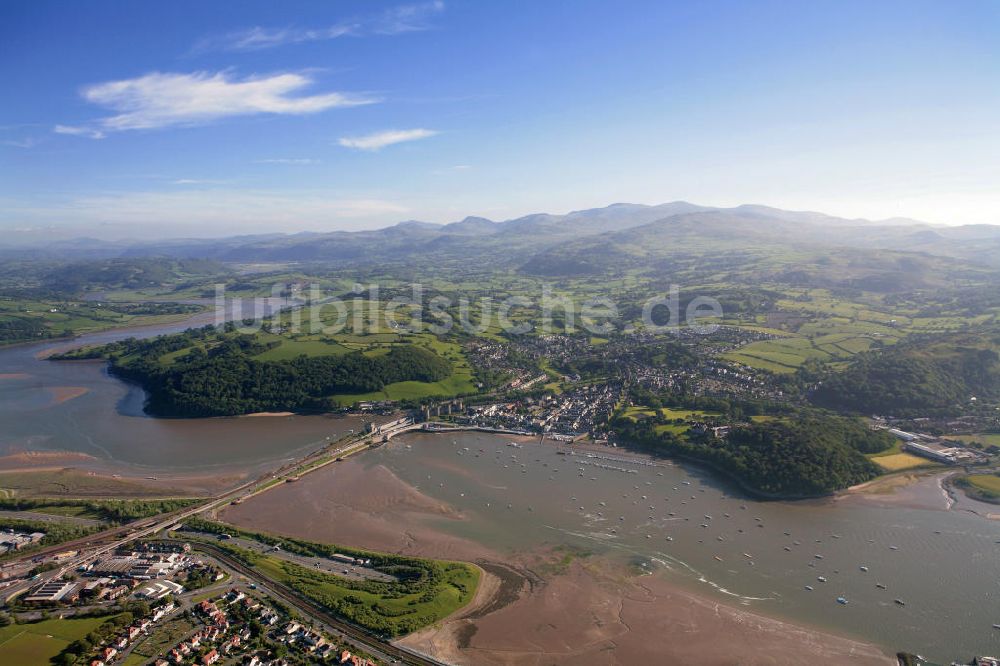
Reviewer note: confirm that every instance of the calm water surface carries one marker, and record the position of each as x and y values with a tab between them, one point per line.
107	420
944	565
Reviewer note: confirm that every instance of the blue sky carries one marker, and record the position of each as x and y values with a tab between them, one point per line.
125	119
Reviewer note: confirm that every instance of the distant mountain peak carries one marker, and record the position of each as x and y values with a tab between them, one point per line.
415	224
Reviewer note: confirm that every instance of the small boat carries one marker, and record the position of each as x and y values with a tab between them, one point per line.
880	586
893	547
900	602
842	601
864	568
670	538
821	579
747	555
809	587
718	559
996	626
818	557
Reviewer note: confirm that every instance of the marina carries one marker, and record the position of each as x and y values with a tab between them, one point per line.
763	568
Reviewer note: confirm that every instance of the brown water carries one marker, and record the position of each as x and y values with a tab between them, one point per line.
76	406
945	564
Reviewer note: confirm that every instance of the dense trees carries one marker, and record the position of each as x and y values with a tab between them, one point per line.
19	329
111	511
227	380
906	381
814	455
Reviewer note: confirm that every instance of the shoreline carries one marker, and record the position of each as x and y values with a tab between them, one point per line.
529	610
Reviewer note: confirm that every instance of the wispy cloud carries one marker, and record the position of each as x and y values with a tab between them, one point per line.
380	140
169	99
287	160
26	142
258	38
74	130
406	18
393	21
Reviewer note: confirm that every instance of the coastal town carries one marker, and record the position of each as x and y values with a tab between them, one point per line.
168	605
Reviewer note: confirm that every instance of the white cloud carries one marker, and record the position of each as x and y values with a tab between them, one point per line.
393	21
79	131
167	99
258	38
379	140
407	18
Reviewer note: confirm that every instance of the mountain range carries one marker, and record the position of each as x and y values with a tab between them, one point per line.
580	242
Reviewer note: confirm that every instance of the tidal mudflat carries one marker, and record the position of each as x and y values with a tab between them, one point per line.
587	555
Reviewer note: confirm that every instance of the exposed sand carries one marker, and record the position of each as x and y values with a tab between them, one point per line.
369	508
593	615
270	414
39	460
918	489
14	375
32	473
528	609
62	394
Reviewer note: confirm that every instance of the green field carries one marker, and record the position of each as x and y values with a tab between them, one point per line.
392	608
894	459
985	487
59	318
900	461
669	413
986	439
36	644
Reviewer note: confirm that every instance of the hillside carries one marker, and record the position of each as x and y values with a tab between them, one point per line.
207	372
933	375
635	231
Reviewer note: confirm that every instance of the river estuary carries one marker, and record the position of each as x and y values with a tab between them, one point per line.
672	520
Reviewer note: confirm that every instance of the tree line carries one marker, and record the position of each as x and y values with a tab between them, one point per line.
803	457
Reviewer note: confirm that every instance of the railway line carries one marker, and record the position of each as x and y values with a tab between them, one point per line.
368	641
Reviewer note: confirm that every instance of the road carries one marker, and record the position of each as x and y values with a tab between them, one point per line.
94	546
374	645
